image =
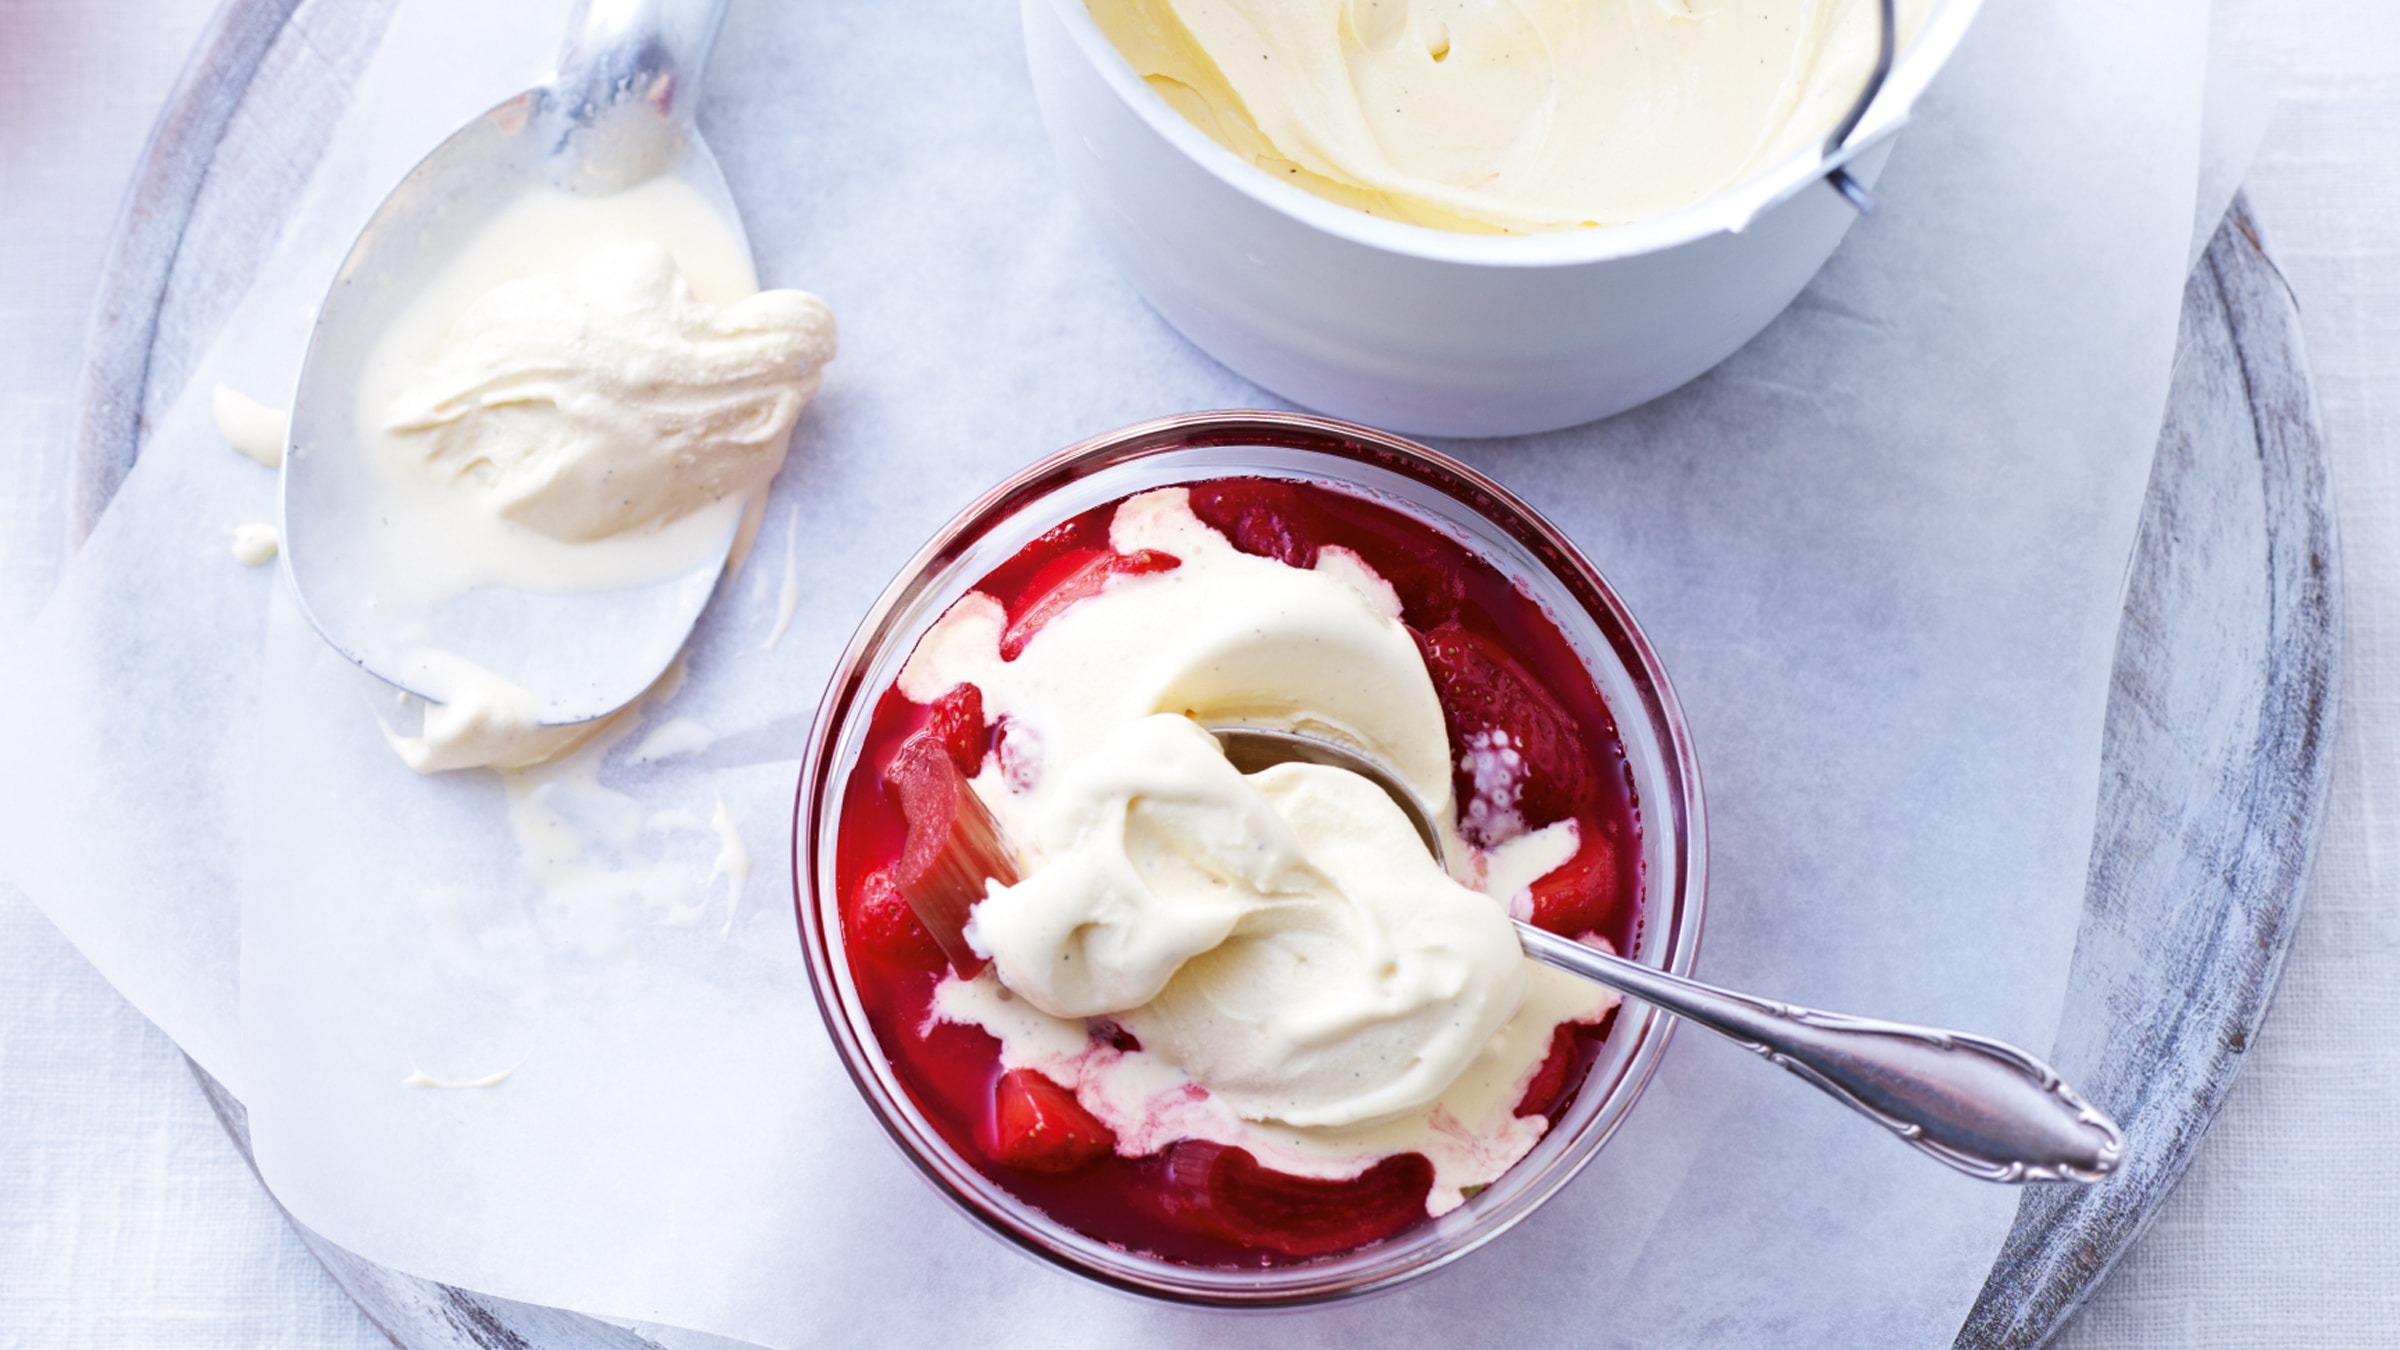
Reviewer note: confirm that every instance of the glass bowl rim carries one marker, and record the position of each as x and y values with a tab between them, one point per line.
846	695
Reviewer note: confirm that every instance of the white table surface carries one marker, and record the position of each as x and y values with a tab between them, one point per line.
127	1219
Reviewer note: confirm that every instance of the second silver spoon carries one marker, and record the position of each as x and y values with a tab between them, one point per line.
1982	1106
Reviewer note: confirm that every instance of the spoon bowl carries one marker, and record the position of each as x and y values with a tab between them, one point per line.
617	114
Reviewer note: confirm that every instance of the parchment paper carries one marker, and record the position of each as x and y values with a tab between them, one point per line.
1881	550
133	698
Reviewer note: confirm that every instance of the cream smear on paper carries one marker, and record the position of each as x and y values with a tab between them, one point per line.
1304	979
593	394
672	739
255	544
418	1078
251	427
257	433
605	863
1527	116
482	722
787	597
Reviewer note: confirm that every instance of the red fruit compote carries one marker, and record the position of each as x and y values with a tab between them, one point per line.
1534	750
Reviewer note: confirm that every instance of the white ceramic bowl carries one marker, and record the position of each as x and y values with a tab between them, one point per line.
1423	330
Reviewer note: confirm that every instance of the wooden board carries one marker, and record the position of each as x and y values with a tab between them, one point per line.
2218	748
2218	741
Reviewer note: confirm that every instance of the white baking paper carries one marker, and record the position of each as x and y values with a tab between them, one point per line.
1881	550
132	700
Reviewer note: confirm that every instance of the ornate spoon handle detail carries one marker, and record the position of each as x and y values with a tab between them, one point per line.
1982	1106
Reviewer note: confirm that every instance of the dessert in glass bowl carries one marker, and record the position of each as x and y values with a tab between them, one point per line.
1228	1036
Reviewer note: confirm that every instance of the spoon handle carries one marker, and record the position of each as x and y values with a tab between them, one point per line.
1984	1107
655	50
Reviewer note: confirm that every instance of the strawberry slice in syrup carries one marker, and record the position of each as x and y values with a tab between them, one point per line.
1038	1126
1580	895
956	720
1482	690
1549	1082
884	925
1227	1192
1071	577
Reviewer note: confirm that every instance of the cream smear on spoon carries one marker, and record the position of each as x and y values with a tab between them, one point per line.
589	396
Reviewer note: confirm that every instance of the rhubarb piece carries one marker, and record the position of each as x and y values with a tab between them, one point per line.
1549	1082
1483	690
953	845
1226	1192
1580	895
1038	1126
956	721
1072	577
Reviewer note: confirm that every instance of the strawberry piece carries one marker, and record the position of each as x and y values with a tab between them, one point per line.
1228	1193
882	925
1263	517
957	722
1071	577
1580	895
1020	755
1038	1126
953	845
1483	689
1550	1080
1429	589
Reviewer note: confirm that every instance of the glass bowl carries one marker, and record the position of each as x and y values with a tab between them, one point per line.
1434	489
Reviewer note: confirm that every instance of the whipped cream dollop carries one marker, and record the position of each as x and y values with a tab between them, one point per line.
1223	638
606	398
1284	937
591	393
1282	941
1525	116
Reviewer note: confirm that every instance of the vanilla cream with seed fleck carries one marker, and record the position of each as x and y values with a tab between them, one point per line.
589	395
1506	116
1282	939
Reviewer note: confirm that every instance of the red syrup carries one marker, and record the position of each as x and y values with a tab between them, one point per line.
1508	681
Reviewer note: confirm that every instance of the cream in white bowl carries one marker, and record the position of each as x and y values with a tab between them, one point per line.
1430	330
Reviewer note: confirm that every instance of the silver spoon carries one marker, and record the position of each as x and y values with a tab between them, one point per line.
617	113
1982	1106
